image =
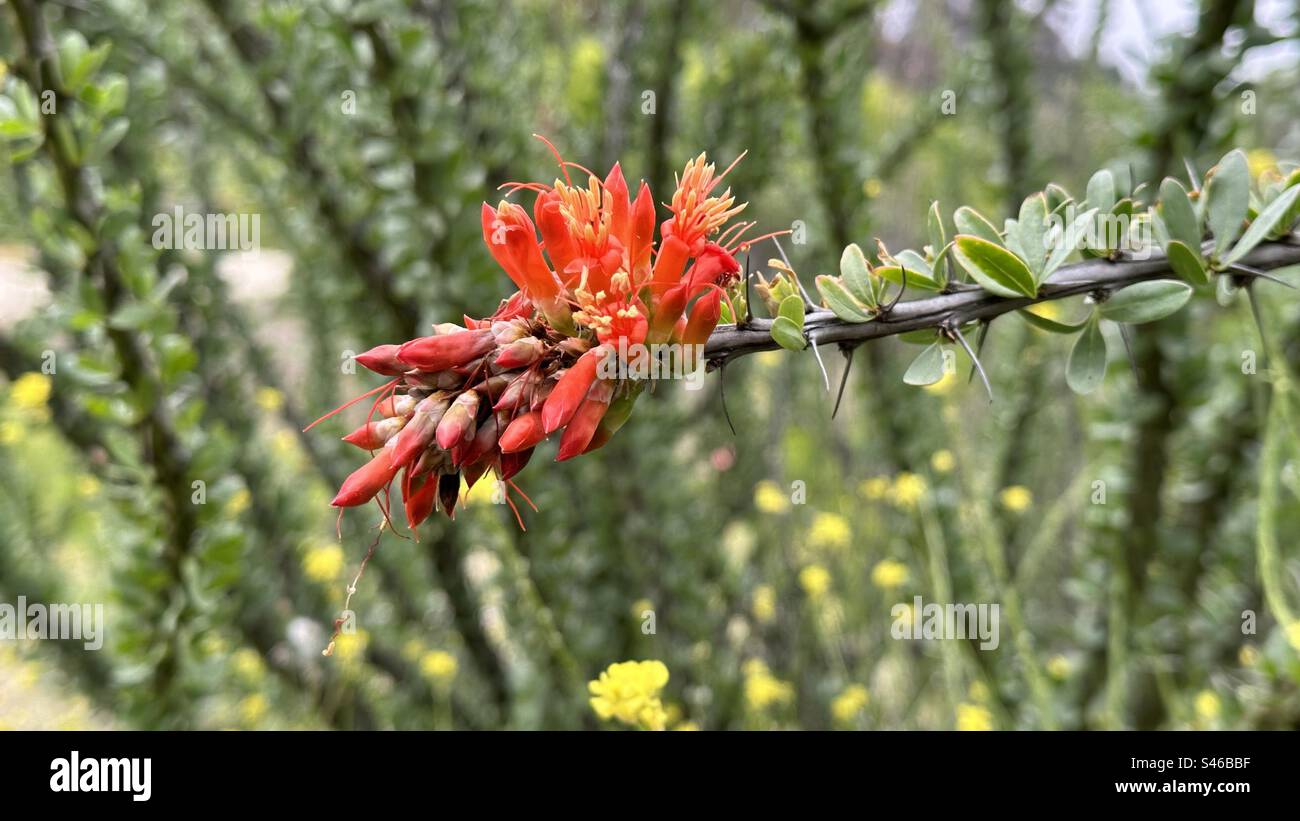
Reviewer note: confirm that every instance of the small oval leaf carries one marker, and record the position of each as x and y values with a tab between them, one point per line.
840	301
927	368
1263	225
1087	365
1228	199
856	274
970	221
787	334
995	268
1187	263
1146	301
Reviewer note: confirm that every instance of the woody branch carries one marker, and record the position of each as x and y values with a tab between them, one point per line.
972	303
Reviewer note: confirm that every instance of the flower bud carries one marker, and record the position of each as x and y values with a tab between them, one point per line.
419	501
457	424
397	405
520	353
373	435
367	480
570	390
382	359
578	433
438	353
449	492
419	432
522	433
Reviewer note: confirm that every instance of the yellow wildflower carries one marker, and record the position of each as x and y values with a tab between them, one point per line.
872	187
269	399
87	485
875	488
762	689
942	461
889	574
848	704
1248	655
768	498
830	530
239	502
687	726
764	603
248	664
439	666
1058	667
30	392
1208	706
972	717
1016	498
1259	160
350	648
10	432
253	708
815	580
907	490
629	692
324	563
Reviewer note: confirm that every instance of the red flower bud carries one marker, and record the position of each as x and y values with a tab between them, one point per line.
438	353
457	424
667	312
520	353
578	433
449	492
373	435
419	432
669	265
643	229
396	406
382	359
703	319
518	390
512	463
367	480
522	433
570	390
419	502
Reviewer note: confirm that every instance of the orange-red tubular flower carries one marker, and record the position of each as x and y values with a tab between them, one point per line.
578	433
616	195
367	480
668	312
523	433
438	353
704	317
714	266
512	239
669	265
560	245
382	359
643	232
570	390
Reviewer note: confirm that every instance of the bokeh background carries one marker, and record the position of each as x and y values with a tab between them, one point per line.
366	134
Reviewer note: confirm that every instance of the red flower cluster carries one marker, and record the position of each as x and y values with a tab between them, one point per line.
480	396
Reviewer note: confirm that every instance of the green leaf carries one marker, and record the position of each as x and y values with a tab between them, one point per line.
1146	301
1064	239
995	268
1101	191
1087	365
787	334
840	301
1187	263
915	278
1228	198
927	368
938	239
1263	225
792	308
1179	215
1031	232
856	274
970	221
1050	325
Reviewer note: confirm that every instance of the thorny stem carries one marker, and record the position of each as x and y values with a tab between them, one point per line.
729	342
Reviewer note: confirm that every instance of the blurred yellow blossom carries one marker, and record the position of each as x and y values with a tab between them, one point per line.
284	442
1208	706
1058	667
1016	498
942	461
350	648
247	664
439	666
1260	160
848	704
764	603
830	530
640	606
768	498
269	399
1293	635
687	726
629	692
87	485
239	502
1248	655
484	491
10	432
889	574
324	562
978	692
972	717
875	488
252	709
872	187
762	689
907	490
815	580
30	391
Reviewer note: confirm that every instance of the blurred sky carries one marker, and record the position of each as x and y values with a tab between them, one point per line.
1134	30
